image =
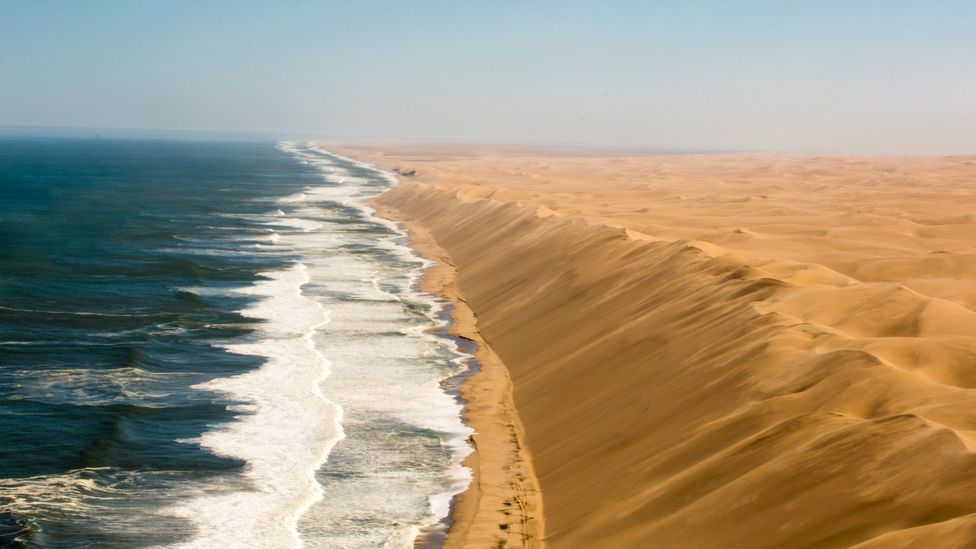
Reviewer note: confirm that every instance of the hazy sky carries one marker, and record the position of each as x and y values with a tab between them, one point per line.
883	76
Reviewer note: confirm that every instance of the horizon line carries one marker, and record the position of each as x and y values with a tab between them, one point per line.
183	134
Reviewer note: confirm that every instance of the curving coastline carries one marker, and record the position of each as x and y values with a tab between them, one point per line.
347	435
723	351
501	507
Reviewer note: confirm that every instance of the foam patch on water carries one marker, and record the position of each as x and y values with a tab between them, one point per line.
288	429
91	387
348	352
381	299
303	225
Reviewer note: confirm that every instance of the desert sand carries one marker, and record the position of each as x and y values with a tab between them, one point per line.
710	350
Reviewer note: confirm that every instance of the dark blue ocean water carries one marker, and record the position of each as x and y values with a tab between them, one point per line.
215	345
101	337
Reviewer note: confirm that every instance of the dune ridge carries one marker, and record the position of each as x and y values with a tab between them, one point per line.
694	388
502	506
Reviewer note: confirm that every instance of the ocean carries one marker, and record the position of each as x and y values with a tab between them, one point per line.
216	345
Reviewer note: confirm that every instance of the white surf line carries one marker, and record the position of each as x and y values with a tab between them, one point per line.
439	503
288	429
461	475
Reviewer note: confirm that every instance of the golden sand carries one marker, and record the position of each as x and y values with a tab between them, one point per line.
715	351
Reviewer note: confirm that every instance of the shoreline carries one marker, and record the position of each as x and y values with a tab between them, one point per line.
504	489
502	507
706	349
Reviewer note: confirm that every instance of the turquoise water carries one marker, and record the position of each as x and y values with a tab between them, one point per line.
214	344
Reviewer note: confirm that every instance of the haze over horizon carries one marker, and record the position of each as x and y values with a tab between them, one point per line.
874	77
535	274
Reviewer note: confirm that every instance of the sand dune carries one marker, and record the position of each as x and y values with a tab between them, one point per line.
723	351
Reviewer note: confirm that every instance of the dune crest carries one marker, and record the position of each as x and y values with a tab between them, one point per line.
801	385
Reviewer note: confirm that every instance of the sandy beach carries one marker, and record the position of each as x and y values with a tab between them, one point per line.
502	505
708	350
509	275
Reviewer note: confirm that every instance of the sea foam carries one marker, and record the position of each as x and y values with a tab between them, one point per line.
349	351
288	429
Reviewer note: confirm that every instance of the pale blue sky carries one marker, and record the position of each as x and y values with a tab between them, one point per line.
866	76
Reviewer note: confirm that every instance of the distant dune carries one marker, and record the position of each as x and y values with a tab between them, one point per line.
721	351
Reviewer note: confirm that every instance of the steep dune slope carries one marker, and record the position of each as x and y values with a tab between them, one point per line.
693	390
